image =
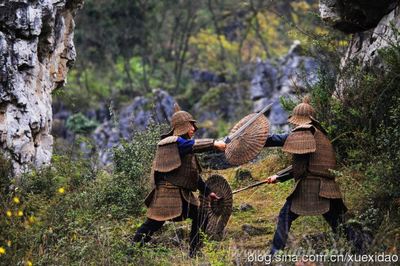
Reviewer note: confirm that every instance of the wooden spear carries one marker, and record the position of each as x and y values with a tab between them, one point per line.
284	171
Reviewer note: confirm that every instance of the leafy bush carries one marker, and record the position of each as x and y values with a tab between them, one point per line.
123	194
363	120
80	124
70	213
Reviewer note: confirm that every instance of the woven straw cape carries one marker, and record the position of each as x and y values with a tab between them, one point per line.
167	155
302	113
247	146
217	212
300	141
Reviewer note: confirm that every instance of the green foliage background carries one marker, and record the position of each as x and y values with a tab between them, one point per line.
127	48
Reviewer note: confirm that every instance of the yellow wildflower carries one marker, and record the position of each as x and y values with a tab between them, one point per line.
343	43
9	243
2	251
61	190
31	219
29	263
9	213
20	213
16	200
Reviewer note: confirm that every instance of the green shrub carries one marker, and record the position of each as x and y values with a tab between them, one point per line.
80	124
363	121
123	195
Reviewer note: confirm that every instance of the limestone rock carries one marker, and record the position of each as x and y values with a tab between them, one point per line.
285	76
245	207
134	117
354	16
36	51
364	46
255	231
375	26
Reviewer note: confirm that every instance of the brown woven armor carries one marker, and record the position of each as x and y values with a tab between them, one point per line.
323	158
306	199
164	202
315	185
187	175
182	172
167	155
201	145
180	175
301	141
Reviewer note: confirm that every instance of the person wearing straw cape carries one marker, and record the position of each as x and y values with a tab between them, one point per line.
315	191
175	175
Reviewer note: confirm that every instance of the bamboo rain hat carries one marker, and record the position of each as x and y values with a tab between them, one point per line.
303	113
181	121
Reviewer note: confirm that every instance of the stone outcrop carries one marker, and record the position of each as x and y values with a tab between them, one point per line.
354	16
36	51
374	24
364	46
224	101
134	117
285	76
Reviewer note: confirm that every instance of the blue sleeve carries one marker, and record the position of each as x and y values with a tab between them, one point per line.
185	146
276	140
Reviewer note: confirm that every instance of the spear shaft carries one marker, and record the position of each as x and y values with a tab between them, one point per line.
284	171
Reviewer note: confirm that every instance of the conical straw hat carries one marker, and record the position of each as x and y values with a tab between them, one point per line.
217	212
247	146
302	113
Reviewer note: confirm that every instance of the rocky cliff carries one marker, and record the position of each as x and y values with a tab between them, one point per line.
374	25
136	116
36	51
355	16
285	76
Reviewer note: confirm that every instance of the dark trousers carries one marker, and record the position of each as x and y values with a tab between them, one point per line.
334	217
146	230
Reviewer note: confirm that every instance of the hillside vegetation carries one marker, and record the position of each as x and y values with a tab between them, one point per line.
75	212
